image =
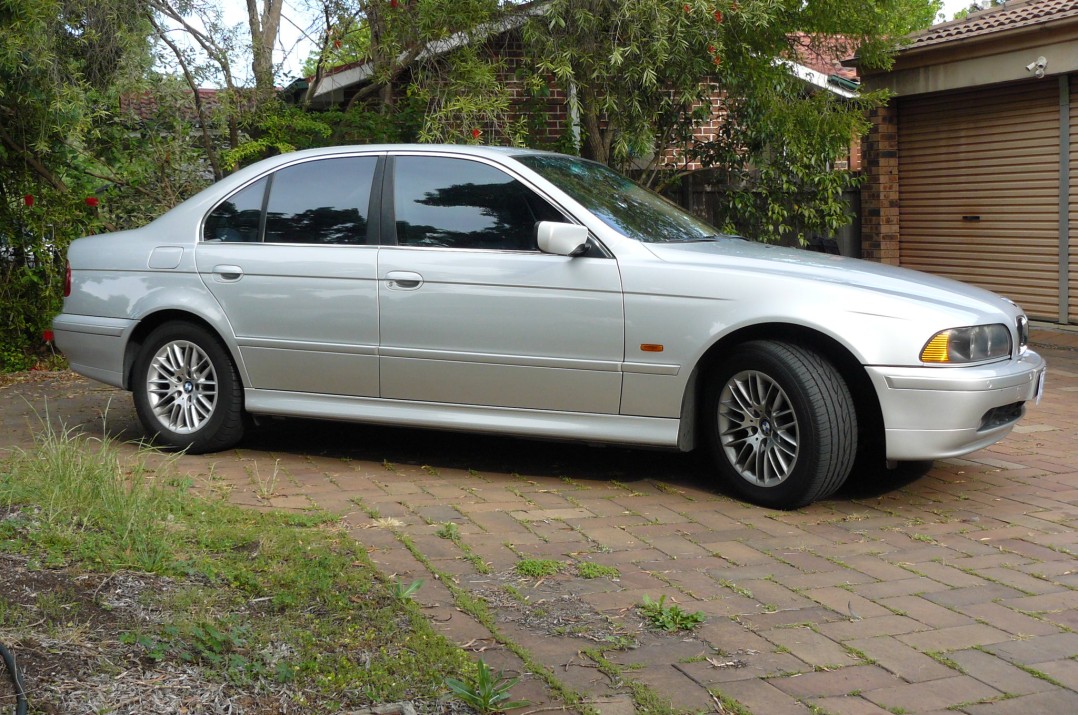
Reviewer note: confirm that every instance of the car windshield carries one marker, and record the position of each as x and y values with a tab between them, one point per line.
622	205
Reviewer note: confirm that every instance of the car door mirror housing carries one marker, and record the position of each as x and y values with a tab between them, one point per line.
561	239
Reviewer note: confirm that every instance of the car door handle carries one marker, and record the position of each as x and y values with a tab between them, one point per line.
403	280
227	273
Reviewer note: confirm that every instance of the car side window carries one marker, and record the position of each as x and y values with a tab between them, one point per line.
237	218
458	203
322	202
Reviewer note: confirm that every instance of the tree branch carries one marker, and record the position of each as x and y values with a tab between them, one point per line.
207	140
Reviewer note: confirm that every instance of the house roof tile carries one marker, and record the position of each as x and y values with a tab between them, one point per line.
1011	16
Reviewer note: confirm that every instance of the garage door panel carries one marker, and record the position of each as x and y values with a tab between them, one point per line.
993	154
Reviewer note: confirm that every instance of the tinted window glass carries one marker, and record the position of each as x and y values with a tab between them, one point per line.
619	203
464	204
237	218
323	201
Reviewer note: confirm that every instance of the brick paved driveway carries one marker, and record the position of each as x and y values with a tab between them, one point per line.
952	592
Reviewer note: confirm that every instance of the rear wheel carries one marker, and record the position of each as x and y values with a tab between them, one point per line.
187	391
780	423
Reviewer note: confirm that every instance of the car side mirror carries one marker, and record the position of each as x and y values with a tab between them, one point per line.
561	239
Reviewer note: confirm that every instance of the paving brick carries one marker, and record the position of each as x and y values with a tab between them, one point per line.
791	616
901	587
737	553
1062	671
902	660
998	673
931	695
1007	619
1050	703
949	575
957	597
955	637
869	627
847	705
926	612
836	682
850	604
827	579
1039	649
556	513
676	546
811	647
760	697
745	665
1060	601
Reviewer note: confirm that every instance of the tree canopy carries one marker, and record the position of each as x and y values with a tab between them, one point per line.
106	119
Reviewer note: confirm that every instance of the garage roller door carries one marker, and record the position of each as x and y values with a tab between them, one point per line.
979	190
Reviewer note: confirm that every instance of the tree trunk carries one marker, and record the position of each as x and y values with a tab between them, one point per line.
264	28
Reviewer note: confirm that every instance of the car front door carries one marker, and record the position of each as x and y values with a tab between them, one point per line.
472	313
297	279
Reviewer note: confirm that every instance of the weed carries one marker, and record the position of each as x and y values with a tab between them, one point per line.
403	593
485	690
267	486
739	590
1041	675
448	530
669	618
537	568
590	569
429	470
942	658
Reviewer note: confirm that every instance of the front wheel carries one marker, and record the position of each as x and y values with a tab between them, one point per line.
187	392
780	424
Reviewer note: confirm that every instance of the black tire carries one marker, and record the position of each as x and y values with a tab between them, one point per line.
780	423
188	394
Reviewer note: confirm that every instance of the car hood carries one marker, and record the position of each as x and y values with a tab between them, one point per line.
776	261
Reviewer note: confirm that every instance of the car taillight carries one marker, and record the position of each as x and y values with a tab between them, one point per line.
67	280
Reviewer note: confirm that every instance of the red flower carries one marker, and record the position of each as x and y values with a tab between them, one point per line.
47	336
476	133
711	49
718	16
91	201
717	60
393	3
687	8
28	199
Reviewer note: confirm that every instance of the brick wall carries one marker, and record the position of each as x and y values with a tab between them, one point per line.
879	194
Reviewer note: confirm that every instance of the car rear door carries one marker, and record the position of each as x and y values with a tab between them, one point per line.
292	260
471	312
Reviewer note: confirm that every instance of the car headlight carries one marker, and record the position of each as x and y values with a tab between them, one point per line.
970	344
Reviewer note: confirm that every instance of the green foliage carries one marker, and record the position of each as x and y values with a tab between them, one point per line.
486	691
448	530
403	592
90	507
647	75
58	61
590	569
537	568
279	129
669	618
976	7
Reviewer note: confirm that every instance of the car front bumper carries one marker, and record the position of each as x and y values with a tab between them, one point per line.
939	412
